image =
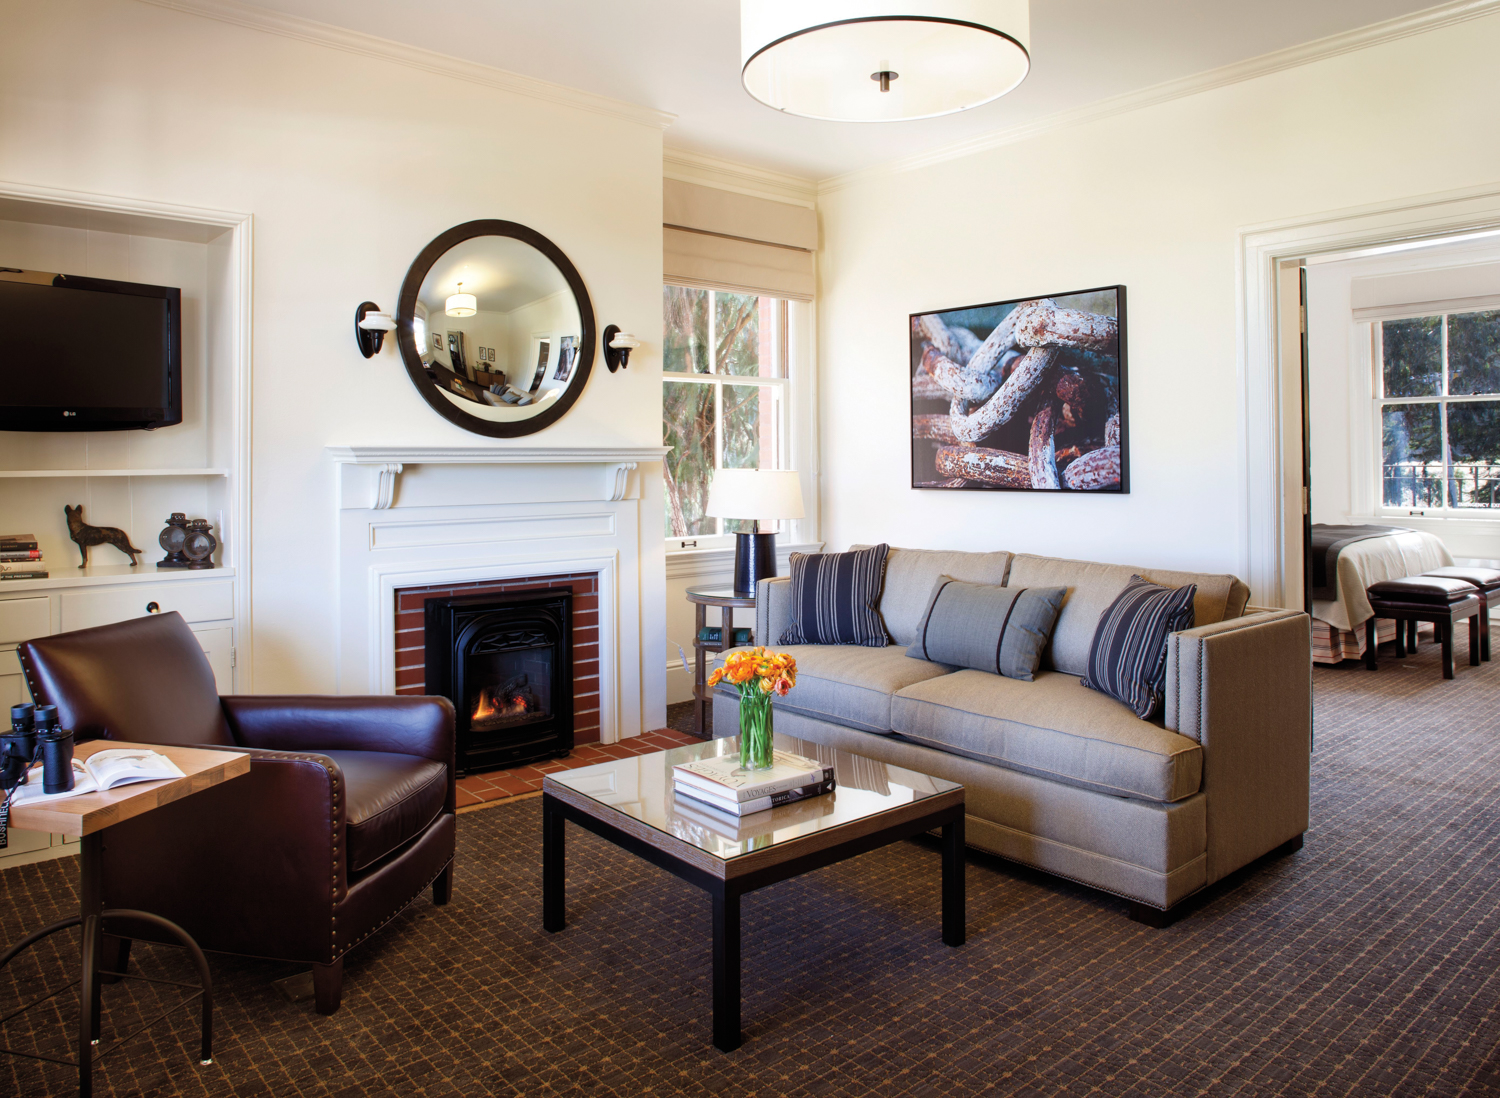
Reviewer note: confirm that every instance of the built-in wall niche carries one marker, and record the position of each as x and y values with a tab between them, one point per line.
131	479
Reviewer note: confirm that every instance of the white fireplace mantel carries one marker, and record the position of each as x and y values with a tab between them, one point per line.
427	516
374	471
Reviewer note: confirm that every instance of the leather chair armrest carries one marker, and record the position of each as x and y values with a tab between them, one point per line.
273	838
421	726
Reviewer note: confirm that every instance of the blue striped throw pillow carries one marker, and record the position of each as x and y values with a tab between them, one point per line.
834	598
1128	659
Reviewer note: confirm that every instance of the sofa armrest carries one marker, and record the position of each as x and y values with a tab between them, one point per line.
1243	689
421	726
773	609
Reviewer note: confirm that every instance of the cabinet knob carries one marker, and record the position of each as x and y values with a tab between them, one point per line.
153	608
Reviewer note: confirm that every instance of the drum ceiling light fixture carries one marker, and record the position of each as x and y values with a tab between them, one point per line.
882	61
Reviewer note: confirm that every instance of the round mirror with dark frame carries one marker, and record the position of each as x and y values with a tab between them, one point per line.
496	328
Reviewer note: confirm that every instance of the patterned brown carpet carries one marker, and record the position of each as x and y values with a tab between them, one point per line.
1367	964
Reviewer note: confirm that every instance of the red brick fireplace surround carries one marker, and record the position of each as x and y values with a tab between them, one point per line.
411	676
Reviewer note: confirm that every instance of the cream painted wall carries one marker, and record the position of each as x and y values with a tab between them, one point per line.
350	165
1153	199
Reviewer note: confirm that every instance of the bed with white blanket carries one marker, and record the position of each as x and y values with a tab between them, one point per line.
1338	625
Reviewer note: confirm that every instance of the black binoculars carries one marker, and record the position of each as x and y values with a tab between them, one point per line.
34	730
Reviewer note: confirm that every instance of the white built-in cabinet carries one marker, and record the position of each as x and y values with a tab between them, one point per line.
134	479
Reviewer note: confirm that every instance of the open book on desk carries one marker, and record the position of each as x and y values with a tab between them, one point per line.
100	771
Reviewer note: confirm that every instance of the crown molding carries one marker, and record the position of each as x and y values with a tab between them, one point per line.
1405	26
731	175
400	53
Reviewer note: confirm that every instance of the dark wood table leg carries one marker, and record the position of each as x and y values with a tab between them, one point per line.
726	968
1474	640
1446	628
553	865
1484	629
91	914
1372	657
954	920
699	675
1401	632
1411	635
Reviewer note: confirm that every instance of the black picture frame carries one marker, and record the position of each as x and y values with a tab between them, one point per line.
418	371
974	423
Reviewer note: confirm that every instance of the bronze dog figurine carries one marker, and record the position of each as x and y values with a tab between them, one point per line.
86	535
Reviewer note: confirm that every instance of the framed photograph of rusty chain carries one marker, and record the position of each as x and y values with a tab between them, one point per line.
1025	395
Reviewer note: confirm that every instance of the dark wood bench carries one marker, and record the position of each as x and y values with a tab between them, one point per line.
1488	582
1439	599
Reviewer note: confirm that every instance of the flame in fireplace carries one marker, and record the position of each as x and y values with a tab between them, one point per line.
504	702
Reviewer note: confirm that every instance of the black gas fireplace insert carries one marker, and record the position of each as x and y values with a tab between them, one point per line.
506	662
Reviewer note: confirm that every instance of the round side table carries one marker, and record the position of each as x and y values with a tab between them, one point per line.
702	598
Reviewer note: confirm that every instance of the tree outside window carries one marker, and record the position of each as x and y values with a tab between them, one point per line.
1439	411
723	398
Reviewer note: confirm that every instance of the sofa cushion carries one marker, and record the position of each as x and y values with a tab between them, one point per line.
911	574
847	684
834	598
1092	587
1128	660
1002	630
1052	727
389	800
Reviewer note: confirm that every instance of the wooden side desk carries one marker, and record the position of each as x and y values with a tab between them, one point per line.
85	818
702	598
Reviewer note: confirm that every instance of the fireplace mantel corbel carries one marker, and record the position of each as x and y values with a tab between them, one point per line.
370	475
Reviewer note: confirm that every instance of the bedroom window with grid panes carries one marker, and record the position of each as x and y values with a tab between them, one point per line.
724	401
1438	412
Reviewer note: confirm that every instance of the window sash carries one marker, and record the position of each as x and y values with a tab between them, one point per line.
780	384
1444	400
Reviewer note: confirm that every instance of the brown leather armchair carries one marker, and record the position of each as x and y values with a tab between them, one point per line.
346	815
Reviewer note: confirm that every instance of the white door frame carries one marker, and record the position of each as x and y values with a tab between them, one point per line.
1269	443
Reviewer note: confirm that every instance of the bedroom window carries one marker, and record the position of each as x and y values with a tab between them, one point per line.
725	400
1438	411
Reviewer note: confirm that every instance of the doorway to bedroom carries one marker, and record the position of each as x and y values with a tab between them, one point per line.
1400	348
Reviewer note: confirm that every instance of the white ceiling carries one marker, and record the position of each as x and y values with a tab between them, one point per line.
682	56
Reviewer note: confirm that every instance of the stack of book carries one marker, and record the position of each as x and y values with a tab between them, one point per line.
721	785
714	634
21	558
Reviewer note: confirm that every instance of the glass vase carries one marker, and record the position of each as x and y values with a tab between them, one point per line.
755	731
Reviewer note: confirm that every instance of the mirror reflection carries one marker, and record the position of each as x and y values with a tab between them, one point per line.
498	329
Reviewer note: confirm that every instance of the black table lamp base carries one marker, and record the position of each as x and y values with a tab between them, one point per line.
754	559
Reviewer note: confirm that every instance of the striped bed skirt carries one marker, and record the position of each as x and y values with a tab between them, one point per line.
1333	645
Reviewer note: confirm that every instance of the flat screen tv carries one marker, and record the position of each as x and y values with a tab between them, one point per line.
88	354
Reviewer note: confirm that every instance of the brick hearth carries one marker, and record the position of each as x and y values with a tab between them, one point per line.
411	675
497	785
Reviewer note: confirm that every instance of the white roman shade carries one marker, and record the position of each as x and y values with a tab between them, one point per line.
727	241
1411	293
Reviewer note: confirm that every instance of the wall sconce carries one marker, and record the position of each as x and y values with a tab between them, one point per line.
617	347
370	326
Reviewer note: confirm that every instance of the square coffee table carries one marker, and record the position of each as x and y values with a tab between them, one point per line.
630	802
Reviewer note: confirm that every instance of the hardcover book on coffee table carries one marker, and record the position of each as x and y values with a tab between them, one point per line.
759	804
721	776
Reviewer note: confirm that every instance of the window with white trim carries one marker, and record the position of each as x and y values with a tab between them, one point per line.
1437	412
726	400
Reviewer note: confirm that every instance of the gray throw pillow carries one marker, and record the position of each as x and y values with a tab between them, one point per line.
1002	630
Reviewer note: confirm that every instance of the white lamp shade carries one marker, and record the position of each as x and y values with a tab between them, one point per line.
762	494
818	60
378	322
461	305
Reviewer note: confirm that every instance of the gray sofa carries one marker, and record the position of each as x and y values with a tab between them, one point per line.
1059	776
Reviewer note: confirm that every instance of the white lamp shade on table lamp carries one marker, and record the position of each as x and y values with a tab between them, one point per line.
882	60
759	495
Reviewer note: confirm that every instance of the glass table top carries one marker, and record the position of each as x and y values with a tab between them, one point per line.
641	787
